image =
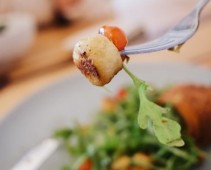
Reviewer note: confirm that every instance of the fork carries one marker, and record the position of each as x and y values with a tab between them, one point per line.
175	37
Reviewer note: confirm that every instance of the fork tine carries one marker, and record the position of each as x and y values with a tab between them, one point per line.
161	43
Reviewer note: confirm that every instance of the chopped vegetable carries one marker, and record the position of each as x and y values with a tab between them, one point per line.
86	165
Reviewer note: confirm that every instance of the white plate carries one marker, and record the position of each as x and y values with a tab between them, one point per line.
75	98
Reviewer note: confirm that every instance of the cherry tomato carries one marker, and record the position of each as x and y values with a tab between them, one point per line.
86	165
116	35
121	94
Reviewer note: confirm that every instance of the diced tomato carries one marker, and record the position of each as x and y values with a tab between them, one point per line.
86	165
121	94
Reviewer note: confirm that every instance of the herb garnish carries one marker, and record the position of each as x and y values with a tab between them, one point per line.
166	130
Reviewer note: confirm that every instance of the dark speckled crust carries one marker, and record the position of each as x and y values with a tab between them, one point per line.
87	67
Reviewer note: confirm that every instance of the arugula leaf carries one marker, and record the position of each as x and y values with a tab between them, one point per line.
167	131
64	133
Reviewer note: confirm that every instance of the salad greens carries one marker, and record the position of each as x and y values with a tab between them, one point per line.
166	130
115	138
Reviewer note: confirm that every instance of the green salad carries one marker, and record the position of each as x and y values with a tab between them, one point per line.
115	141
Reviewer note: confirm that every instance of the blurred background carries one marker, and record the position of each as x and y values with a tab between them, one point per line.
37	37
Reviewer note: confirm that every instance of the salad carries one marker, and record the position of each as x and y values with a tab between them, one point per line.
114	140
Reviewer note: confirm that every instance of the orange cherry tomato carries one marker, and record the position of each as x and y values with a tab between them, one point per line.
116	35
121	94
86	165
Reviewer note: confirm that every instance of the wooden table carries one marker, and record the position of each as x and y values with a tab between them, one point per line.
48	61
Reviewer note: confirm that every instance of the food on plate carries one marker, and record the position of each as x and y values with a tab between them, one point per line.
114	141
194	105
98	58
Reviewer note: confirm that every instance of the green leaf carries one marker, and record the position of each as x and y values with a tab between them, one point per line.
63	133
65	167
167	131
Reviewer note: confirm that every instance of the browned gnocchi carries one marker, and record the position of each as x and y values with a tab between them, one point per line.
98	59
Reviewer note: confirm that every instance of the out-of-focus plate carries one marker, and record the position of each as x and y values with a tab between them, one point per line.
75	98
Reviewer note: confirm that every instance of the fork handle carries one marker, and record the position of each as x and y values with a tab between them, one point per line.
200	5
176	36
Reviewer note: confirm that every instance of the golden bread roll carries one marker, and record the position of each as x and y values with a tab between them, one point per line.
193	103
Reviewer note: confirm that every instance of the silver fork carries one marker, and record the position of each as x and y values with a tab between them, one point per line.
175	37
